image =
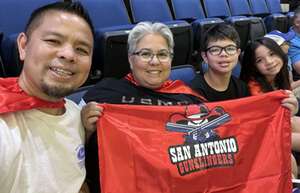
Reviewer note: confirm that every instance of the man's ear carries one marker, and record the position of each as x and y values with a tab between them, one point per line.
21	42
204	57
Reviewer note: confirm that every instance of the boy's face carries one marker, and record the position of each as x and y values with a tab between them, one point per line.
225	61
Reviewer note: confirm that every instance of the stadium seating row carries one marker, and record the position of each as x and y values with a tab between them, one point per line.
113	19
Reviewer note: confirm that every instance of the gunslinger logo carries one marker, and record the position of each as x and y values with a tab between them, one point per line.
203	148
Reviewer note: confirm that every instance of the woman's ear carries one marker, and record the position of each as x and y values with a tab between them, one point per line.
130	59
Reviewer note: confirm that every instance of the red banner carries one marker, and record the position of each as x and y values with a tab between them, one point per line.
236	146
13	98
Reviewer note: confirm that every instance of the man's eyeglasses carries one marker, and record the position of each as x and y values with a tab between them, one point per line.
148	55
217	50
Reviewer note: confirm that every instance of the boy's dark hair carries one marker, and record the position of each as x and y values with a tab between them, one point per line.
249	70
220	31
75	8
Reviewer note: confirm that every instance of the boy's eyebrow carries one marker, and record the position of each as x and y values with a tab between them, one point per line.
222	46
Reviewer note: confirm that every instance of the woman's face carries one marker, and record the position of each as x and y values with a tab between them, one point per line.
267	62
149	70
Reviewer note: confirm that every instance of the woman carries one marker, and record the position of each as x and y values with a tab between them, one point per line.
150	53
264	68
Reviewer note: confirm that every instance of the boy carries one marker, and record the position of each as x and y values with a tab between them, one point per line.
220	50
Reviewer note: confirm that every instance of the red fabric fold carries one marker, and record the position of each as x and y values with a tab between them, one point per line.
170	86
13	98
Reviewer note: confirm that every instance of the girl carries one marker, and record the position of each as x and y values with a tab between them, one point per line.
264	69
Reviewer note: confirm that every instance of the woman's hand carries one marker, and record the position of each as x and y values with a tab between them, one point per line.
90	114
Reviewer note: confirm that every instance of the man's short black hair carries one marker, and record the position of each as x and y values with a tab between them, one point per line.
220	31
75	8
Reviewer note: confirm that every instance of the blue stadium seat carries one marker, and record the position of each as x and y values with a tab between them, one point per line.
15	13
242	8
112	25
12	64
275	21
296	190
186	73
13	17
275	7
220	8
158	11
192	11
2	72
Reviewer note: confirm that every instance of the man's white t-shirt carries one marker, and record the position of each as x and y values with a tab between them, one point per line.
42	153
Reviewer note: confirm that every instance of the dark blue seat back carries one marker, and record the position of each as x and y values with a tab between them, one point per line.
187	9
192	11
273	21
112	24
239	7
15	13
274	6
107	13
186	73
10	56
216	8
150	10
2	72
259	7
257	26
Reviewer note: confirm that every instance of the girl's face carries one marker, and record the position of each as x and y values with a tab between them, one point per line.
267	62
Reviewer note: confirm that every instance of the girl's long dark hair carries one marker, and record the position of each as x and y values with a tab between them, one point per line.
250	72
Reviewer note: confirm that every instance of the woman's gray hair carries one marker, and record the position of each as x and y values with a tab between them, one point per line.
145	28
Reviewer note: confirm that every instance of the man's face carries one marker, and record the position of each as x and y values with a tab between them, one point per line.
57	55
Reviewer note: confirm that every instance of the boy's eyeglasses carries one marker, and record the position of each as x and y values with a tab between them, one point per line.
217	50
148	55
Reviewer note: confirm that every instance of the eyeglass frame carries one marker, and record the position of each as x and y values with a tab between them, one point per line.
137	53
222	48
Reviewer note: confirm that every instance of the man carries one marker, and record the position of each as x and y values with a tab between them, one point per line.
41	135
